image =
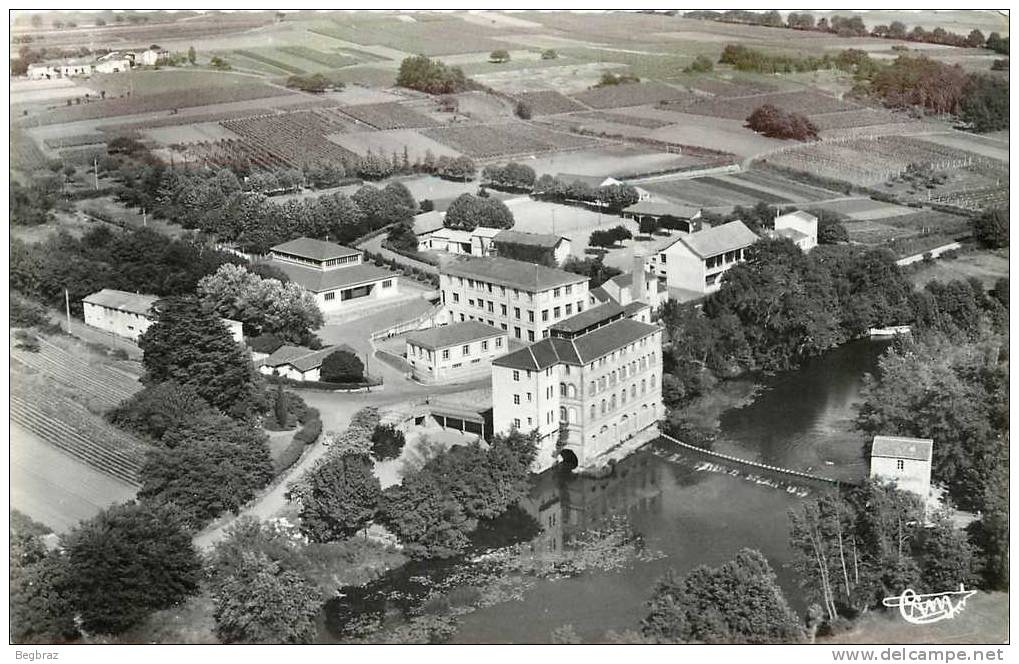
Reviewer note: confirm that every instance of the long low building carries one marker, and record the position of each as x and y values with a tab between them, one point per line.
456	352
128	315
337	275
299	363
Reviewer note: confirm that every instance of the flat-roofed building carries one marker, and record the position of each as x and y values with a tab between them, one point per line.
523	299
905	461
455	352
337	275
595	382
695	263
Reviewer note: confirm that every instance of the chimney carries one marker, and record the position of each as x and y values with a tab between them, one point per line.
638	289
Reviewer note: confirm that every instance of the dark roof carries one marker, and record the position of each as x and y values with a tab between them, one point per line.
589	317
530	239
579	351
528	277
632	308
318	250
663	209
428	222
896	447
453	335
134	303
317	281
303	359
601	294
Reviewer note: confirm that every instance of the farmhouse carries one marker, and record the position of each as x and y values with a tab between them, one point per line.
456	352
665	215
299	363
524	299
535	245
112	66
77	67
41	71
693	265
905	461
595	382
337	275
799	226
128	315
151	57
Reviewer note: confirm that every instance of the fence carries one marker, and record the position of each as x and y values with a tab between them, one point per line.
934	253
418	323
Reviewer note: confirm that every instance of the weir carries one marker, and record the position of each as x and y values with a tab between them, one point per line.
786	472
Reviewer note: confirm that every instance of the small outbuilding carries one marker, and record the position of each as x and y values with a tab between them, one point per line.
456	352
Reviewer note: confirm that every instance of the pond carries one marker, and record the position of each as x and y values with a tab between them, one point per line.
692	511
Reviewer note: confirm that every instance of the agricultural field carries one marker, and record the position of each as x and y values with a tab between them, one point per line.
773	182
390	141
633	94
547	102
25	152
503	140
388	116
865	209
621	118
986	265
712	193
296	138
567	79
446	36
617	160
738	108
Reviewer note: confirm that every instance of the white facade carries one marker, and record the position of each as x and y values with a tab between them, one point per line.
697	262
150	57
524	300
799	227
126	324
41	72
113	66
905	461
439	355
337	276
579	396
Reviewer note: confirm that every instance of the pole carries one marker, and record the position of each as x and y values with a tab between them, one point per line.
67	308
95	170
145	218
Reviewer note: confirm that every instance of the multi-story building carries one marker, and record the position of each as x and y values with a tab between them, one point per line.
628	288
337	275
799	226
905	461
593	383
523	299
456	352
693	265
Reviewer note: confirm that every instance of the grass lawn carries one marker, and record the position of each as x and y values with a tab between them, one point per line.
986	265
984	620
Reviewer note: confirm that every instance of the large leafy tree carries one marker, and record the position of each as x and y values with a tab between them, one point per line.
341	496
126	562
190	345
159	408
738	602
468	212
40	612
954	393
266	306
990	228
259	601
342	366
206	476
429	522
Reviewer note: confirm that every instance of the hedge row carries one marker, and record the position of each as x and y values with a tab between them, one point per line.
324	385
306	435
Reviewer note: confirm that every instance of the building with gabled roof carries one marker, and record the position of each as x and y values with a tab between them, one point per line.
336	275
298	362
455	352
521	298
593	383
665	213
556	247
798	226
904	461
695	263
129	315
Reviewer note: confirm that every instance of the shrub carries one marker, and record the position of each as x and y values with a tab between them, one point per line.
310	432
523	111
342	367
549	54
26	341
289	456
499	55
387	442
776	123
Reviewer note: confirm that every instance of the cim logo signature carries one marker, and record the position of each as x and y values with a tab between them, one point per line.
931	608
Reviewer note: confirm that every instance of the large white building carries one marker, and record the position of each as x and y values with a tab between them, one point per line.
523	299
693	264
456	352
337	275
128	315
593	383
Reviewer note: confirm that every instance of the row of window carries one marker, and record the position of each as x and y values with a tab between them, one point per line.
485	286
555	313
354	293
549	418
465	350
